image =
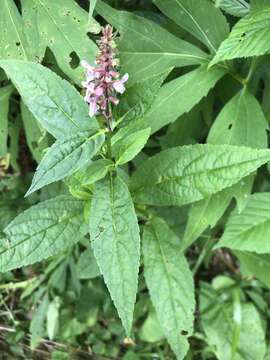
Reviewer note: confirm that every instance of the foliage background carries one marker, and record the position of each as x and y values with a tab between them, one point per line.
190	85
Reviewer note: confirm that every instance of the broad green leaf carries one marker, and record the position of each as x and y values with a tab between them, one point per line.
87	267
218	323
146	48
180	95
114	233
237	8
36	45
183	175
257	265
240	122
42	231
65	157
129	141
258	4
63	26
4	107
249	37
199	17
53	101
93	25
13	43
170	284
37	138
249	230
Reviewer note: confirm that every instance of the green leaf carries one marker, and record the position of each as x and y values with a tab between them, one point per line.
53	101
53	318
37	325
199	17
258	4
65	157
36	45
170	283
129	141
181	95
86	266
239	8
182	175
240	122
151	329
42	231
257	265
249	37
5	93
218	323
36	136
63	25
145	47
114	233
249	230
13	43
205	213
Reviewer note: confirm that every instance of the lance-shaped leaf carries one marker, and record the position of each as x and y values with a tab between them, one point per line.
199	17
170	283
13	43
4	107
181	95
53	101
65	157
63	25
42	231
146	48
237	8
182	175
114	233
249	37
249	230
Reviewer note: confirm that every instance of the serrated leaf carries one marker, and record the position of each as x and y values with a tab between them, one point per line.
63	26
199	17
53	101
36	136
180	95
237	8
4	108
170	283
13	43
249	230
42	231
217	319
145	47
65	157
86	266
129	141
114	234
183	175
249	37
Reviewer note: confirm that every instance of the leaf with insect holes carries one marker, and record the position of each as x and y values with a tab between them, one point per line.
170	283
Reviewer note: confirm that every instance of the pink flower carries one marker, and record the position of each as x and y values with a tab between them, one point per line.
103	81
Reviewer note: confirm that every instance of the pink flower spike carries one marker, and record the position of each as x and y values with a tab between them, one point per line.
99	91
119	84
93	108
114	100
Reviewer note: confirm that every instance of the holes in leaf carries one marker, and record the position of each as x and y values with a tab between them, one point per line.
230	126
75	60
18	43
242	36
184	333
